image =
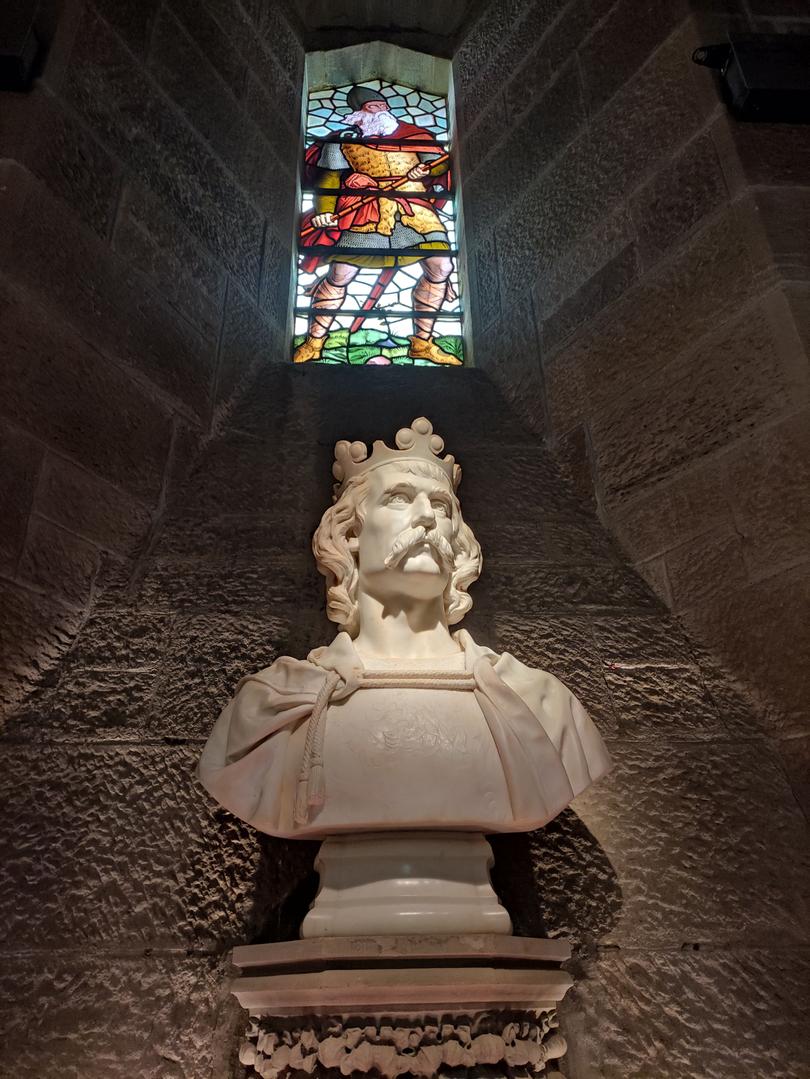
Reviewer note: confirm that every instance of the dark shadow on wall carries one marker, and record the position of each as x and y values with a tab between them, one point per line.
557	882
278	916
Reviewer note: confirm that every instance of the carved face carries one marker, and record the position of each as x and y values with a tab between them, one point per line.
404	545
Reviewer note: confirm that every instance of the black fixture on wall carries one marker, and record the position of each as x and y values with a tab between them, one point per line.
764	77
19	43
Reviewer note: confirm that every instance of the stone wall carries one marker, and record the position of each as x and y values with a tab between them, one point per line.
641	291
146	191
679	877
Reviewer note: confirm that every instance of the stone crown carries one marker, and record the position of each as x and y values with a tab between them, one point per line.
414	443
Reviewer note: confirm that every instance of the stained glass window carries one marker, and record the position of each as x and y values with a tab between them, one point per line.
377	277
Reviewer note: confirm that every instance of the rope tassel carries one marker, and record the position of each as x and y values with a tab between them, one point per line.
311	788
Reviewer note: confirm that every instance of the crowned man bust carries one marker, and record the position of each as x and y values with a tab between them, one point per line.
400	728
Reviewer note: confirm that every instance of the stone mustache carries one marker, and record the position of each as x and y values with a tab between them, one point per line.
399	724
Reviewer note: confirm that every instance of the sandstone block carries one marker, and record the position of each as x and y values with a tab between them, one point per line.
622	43
677	198
271	187
272	104
120	845
564	381
82	1016
769	479
74	273
155	242
36	632
675	1015
573	452
38	132
641	127
795	754
122	640
76	499
86	705
653	571
623	640
220	52
247	341
106	88
773	153
760	633
510	354
22	461
275	288
606	285
549	588
705	568
498	42
785	216
704	399
350	402
557	881
233	477
690	502
486	300
187	76
132	20
58	562
206	658
610	238
522	156
653	701
59	388
274	38
705	841
529	81
282	42
526	477
480	139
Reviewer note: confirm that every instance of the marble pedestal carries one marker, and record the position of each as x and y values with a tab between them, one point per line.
405	882
411	1005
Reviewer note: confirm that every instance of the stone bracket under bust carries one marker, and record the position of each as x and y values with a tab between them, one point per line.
399	723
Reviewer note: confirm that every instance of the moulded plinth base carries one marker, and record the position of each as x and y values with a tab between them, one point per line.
410	1005
405	882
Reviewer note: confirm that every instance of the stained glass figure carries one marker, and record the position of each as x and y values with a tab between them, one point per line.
377	281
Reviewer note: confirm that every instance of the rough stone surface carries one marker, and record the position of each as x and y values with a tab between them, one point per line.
157	244
596	274
83	503
631	1015
22	461
35	633
140	183
693	837
105	85
659	239
162	1017
59	388
54	560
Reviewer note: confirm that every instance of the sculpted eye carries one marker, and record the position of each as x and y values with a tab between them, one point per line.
399	498
440	508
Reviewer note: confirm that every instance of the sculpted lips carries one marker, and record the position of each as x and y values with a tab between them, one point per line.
410	538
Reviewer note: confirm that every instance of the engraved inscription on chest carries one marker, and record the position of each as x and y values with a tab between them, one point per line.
404	730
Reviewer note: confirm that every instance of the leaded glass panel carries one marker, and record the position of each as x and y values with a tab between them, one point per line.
377	278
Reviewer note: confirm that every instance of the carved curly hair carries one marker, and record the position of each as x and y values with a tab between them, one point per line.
338	563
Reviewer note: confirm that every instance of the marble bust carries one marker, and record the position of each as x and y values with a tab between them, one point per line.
400	724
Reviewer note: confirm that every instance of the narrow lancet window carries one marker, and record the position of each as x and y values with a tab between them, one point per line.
377	275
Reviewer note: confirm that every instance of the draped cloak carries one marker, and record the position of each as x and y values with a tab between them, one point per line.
547	745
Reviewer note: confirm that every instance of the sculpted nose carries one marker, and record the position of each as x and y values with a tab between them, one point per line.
423	513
